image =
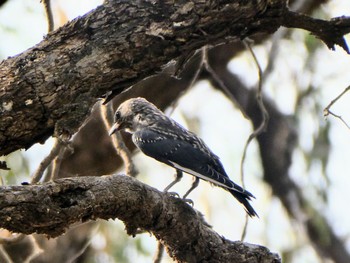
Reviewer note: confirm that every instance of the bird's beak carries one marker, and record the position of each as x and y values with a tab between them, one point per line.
114	128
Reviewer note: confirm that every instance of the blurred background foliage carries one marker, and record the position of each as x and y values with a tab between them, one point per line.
301	78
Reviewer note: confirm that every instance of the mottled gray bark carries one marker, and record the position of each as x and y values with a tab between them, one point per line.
50	88
52	207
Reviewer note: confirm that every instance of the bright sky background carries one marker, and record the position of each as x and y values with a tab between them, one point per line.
226	136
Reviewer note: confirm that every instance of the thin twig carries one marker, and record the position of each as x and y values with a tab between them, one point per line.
219	81
36	250
327	111
118	143
190	85
264	113
49	15
159	253
84	247
48	173
199	69
339	117
11	240
262	126
204	63
46	162
56	165
222	85
5	255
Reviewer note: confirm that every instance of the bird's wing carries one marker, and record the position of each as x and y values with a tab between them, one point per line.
186	153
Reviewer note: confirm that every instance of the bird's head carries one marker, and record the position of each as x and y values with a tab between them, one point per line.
135	114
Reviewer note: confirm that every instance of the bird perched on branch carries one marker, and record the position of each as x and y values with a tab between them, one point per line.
163	139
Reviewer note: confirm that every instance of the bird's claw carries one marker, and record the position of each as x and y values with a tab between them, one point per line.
173	194
186	200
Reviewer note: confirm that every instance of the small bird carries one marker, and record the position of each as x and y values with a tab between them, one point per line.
163	139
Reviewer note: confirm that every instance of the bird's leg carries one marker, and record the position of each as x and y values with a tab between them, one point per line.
178	177
194	185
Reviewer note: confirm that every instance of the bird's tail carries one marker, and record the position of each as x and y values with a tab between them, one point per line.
244	197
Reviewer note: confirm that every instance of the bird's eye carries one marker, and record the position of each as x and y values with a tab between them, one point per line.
117	116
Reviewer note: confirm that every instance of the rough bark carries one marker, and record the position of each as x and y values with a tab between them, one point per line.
50	88
52	207
14	133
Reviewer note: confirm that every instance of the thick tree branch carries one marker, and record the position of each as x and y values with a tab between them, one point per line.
330	32
50	88
52	207
66	80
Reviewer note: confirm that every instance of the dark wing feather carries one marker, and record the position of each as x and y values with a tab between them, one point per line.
167	147
188	152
